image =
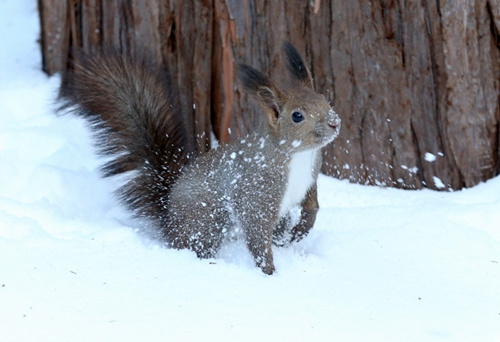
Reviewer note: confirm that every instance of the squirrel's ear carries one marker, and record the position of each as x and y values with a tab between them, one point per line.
258	84
296	67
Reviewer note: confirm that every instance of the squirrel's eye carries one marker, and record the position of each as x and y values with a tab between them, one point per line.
297	117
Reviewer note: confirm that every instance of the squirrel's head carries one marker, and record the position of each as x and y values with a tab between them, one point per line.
299	117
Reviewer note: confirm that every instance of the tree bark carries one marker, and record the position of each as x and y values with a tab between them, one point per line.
416	83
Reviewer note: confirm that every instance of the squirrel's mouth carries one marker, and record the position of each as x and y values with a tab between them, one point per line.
333	128
334	123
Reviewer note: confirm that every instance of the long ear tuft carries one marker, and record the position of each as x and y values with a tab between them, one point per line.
252	79
296	67
258	84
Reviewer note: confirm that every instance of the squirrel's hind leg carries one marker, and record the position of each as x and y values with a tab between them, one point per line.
202	232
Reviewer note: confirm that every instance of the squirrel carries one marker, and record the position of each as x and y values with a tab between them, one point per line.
246	188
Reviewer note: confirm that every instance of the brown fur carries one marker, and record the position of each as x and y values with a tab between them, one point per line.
245	188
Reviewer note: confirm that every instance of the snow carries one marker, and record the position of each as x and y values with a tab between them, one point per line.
429	157
380	265
438	182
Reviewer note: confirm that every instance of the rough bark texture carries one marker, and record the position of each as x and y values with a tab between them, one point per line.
408	78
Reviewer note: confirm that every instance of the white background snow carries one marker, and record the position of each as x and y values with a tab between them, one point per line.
380	264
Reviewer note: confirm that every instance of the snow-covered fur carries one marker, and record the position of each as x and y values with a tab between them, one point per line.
197	202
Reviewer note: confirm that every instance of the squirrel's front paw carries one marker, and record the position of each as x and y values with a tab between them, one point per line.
267	268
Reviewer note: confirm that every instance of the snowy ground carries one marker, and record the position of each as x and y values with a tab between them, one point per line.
380	264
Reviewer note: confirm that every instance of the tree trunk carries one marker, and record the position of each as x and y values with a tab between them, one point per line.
416	83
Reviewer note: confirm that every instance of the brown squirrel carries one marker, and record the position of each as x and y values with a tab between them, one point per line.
244	188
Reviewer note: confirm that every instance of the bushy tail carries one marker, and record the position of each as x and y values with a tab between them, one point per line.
136	115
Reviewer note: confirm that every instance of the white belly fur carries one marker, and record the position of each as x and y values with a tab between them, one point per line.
300	179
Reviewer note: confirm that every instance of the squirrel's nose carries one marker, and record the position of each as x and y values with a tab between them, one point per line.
334	123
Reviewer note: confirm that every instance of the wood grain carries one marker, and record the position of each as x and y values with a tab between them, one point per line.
410	79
